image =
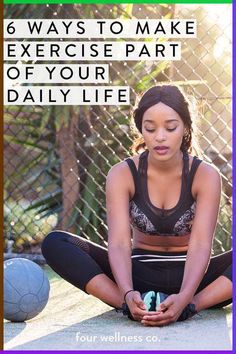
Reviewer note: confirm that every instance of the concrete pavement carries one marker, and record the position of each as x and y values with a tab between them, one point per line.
73	320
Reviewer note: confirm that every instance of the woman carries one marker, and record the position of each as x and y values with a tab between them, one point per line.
164	273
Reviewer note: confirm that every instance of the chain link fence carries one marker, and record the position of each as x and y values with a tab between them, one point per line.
57	157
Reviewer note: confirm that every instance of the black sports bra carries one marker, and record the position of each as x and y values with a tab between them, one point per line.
156	221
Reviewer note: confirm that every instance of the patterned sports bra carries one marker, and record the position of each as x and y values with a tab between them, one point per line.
146	217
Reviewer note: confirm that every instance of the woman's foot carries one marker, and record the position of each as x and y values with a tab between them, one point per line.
152	300
188	312
149	298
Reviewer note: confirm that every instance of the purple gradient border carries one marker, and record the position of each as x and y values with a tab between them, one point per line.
119	351
234	164
234	245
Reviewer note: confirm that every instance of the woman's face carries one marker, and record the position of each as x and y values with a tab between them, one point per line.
162	130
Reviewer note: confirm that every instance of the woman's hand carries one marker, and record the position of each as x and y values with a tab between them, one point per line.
167	312
136	305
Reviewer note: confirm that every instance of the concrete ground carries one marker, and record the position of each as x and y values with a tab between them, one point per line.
73	320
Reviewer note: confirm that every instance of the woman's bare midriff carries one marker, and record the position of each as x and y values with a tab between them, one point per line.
160	243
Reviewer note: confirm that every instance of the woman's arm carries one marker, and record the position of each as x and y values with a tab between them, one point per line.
118	189
119	233
208	190
207	185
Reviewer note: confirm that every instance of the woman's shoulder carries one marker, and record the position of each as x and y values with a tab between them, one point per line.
122	166
206	175
121	175
205	168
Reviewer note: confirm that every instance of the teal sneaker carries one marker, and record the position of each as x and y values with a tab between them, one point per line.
188	312
149	298
160	297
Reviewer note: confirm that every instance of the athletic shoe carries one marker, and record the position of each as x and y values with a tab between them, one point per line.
160	297
188	312
126	311
149	298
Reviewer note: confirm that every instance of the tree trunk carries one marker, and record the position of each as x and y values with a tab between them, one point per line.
69	170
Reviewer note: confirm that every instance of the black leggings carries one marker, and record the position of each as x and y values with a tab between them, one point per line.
78	260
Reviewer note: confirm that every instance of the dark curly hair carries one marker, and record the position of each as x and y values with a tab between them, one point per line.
173	97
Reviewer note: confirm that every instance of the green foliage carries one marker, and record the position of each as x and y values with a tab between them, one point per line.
102	138
25	226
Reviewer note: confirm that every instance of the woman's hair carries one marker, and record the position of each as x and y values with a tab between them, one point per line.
173	97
